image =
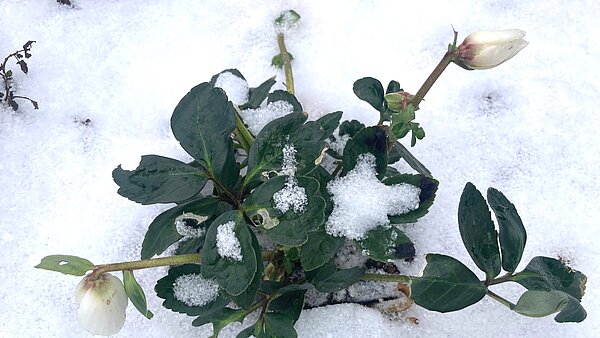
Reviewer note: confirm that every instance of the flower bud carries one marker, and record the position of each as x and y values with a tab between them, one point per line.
101	304
488	49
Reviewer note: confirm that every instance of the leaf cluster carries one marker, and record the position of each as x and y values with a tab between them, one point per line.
8	95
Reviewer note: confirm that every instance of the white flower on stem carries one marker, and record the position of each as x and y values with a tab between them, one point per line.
488	49
101	304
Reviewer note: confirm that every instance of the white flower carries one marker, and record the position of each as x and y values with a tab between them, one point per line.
488	49
101	304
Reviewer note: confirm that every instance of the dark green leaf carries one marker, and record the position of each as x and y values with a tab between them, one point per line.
69	265
319	249
446	285
282	95
395	153
287	18
246	298
428	188
164	289
234	276
189	245
329	122
159	179
203	122
220	319
371	140
412	161
162	232
291	301
350	128
259	94
277	60
535	303
328	278
370	90
512	233
477	231
546	274
136	294
393	87
385	244
23	65
279	325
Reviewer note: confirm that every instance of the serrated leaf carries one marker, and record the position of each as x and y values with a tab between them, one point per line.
162	232
234	276
511	232
203	122
371	140
330	122
446	285
136	294
328	278
67	264
319	249
259	94
164	289
282	95
477	231
290	228
159	179
386	244
546	274
428	188
371	91
535	303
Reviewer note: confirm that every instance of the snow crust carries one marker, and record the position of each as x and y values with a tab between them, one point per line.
228	245
235	87
256	119
362	203
193	290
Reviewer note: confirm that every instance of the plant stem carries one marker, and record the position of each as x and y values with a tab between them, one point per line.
501	300
147	263
386	278
439	69
502	279
287	64
243	134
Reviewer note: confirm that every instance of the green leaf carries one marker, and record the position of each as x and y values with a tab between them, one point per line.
371	140
411	160
246	298
512	233
136	294
393	87
69	265
330	122
282	95
290	228
277	60
291	301
446	285
189	245
319	249
164	289
536	303
259	94
220	319
279	325
385	244
162	231
350	128
547	274
203	122
477	231
370	90
328	278
234	276
287	18
428	188
159	179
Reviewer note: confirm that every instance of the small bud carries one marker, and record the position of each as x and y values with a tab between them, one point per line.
398	101
101	304
488	49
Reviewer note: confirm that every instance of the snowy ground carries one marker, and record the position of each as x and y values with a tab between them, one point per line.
528	128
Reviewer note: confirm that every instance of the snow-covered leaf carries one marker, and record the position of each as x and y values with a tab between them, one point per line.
371	140
428	188
385	244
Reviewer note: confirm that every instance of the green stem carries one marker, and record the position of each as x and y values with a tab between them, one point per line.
243	134
502	279
386	278
147	263
439	69
501	300
287	64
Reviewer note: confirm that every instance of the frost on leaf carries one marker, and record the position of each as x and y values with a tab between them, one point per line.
193	290
187	225
256	119
362	203
235	87
292	196
228	244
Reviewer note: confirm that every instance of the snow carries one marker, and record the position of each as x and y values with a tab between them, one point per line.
362	203
339	144
291	195
235	87
528	128
228	245
256	119
193	290
185	229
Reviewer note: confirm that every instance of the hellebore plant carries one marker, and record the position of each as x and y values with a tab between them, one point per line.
306	189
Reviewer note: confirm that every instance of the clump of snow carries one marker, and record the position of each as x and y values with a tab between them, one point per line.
193	290
235	87
292	195
187	223
361	202
256	119
228	244
339	144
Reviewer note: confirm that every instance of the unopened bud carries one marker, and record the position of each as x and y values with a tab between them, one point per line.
488	49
